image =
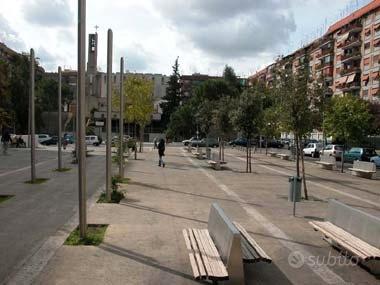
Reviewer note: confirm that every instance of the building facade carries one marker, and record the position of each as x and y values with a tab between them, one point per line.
346	58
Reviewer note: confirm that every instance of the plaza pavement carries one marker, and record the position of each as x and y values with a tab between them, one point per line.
144	243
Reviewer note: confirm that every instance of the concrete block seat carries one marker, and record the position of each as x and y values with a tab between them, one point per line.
353	232
283	156
218	252
326	162
363	169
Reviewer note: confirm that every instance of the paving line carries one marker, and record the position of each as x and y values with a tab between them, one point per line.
327	275
24	168
317	184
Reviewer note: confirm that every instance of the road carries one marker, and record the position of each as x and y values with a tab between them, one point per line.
38	211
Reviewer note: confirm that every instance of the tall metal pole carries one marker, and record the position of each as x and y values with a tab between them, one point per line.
59	118
121	121
109	110
81	130
32	120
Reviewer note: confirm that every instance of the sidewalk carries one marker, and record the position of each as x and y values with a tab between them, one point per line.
144	242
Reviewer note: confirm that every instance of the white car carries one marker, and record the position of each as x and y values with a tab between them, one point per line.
333	150
375	160
187	142
312	149
92	140
43	137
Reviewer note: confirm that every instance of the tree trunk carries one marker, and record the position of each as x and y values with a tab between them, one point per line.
297	142
250	157
135	132
246	168
266	146
141	138
220	149
304	177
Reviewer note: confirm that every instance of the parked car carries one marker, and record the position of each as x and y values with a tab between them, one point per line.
43	137
312	149
69	138
203	142
375	160
92	140
187	142
274	144
359	153
334	150
52	141
238	142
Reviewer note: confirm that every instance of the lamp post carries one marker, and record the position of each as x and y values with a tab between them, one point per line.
32	119
109	113
121	121
59	118
81	124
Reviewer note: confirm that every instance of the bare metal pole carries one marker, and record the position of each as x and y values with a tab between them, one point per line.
121	121
109	110
32	119
59	118
81	131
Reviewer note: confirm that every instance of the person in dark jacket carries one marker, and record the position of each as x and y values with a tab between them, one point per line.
161	152
5	139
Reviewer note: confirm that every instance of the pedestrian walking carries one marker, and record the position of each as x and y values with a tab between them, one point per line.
5	139
161	152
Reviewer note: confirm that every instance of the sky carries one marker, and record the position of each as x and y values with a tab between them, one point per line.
206	35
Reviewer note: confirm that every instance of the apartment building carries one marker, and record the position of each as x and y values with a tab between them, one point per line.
346	59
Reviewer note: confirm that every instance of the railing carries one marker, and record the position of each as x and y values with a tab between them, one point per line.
350	70
351	41
349	55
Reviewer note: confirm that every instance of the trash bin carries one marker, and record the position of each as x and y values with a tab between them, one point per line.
208	153
294	189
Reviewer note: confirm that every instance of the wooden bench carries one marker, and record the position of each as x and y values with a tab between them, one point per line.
215	162
363	169
283	156
326	162
218	252
272	154
353	232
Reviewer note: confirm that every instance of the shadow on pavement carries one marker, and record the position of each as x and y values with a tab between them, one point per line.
143	259
265	273
187	193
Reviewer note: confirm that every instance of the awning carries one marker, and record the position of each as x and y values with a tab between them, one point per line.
351	78
376	42
344	37
365	77
374	75
376	27
367	31
374	91
366	61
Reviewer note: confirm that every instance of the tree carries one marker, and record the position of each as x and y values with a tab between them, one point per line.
182	123
297	101
271	124
231	79
247	118
172	97
138	103
348	119
5	104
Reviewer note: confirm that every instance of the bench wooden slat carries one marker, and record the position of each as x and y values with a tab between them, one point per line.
202	270
249	255
194	266
205	257
187	239
348	241
219	266
359	244
253	243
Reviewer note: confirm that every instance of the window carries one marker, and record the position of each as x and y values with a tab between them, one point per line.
337	71
367	61
365	93
376	59
365	79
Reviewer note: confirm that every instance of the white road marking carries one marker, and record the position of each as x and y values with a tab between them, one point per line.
321	270
24	168
316	184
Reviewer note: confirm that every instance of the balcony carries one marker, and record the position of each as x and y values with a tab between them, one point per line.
354	69
351	86
325	52
351	56
350	43
323	65
354	27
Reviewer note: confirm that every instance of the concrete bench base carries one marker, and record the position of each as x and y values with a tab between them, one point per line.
215	164
361	173
283	156
272	154
325	165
